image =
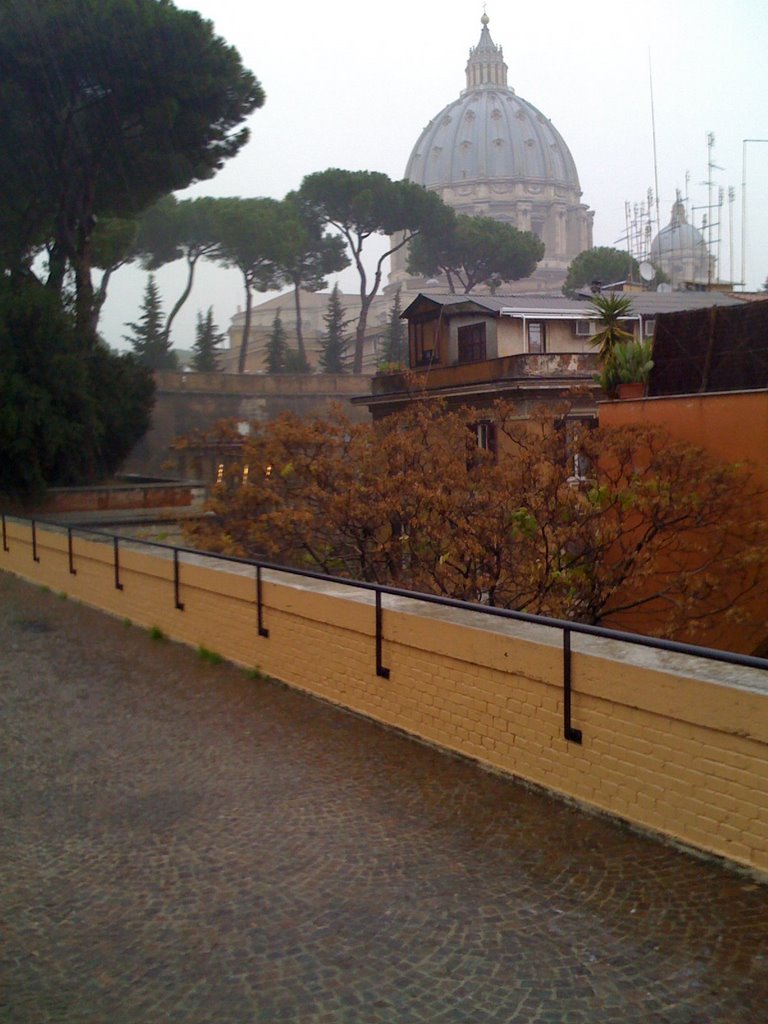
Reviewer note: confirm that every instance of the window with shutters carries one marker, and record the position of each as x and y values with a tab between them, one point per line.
472	343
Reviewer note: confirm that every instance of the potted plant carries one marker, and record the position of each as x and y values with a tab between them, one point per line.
389	367
633	365
613	310
608	378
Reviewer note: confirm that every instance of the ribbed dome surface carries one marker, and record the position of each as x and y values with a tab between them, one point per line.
489	133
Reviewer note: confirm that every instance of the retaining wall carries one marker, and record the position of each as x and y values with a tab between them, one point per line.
670	743
186	403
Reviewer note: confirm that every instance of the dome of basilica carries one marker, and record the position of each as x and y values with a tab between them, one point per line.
490	134
491	153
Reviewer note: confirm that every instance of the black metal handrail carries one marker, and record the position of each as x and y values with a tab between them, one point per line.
565	626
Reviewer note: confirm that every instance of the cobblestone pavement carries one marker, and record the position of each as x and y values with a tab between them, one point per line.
183	843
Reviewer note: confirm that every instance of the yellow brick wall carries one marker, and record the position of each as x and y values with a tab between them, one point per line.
661	749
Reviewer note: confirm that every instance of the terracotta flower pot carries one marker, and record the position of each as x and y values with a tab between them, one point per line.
634	390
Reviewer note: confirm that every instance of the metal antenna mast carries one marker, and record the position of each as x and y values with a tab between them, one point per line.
744	143
653	130
711	166
731	198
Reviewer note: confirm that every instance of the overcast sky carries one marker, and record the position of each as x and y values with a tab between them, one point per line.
352	85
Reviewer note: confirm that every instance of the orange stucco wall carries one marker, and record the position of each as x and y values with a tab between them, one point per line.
733	426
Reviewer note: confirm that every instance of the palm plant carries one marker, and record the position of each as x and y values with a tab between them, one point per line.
613	308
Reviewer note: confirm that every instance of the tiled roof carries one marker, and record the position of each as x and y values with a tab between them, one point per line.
643	303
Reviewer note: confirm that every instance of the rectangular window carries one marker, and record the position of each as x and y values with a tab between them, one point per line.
573	459
536	337
486	436
472	343
482	438
422	336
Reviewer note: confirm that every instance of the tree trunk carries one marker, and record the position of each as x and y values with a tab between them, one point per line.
246	328
366	298
362	323
57	268
74	229
100	298
191	264
84	294
299	331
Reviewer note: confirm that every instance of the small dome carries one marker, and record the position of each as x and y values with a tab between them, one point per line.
680	249
490	134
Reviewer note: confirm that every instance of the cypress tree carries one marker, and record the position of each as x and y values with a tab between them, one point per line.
296	362
152	349
277	347
208	338
395	335
334	341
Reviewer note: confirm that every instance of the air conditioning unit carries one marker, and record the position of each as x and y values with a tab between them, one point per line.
582	328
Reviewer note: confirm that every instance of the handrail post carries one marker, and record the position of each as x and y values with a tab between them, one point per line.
35	556
176	596
574	735
118	584
72	569
380	669
5	536
263	631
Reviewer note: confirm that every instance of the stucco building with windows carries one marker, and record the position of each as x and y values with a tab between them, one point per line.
529	349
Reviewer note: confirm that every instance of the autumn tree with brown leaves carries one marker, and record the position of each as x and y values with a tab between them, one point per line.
597	526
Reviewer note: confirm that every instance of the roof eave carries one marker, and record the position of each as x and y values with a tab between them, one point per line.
453	305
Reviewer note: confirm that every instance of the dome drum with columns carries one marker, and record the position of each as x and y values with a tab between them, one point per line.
491	153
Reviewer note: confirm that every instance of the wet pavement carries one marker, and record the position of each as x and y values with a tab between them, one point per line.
180	842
